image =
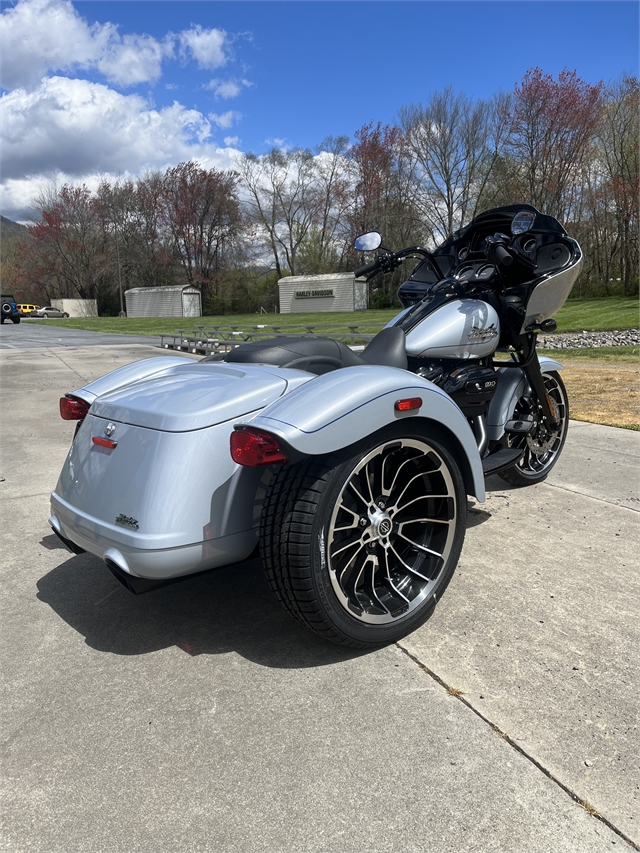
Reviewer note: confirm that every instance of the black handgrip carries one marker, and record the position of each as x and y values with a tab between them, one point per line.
366	269
502	256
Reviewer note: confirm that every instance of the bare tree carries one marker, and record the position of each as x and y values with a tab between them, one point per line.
67	242
284	202
202	215
550	143
617	156
454	143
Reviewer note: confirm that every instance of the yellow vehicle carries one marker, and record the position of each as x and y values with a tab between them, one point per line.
25	309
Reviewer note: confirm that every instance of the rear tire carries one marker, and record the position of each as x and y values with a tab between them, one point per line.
16	319
541	448
360	545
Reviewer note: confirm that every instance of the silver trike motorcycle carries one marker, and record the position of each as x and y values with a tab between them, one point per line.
349	471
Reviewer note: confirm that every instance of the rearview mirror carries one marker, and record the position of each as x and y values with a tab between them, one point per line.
367	242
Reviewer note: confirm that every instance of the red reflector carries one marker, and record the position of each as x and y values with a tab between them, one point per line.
73	409
104	442
254	447
407	405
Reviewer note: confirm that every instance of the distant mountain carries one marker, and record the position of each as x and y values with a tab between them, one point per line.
9	228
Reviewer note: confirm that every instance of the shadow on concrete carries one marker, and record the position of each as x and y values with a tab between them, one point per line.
231	609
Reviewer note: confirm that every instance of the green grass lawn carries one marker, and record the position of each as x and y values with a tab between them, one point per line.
597	315
604	355
575	316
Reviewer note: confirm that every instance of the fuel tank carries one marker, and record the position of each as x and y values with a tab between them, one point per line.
463	328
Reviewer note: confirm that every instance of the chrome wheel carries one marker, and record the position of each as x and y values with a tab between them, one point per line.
359	545
542	447
392	531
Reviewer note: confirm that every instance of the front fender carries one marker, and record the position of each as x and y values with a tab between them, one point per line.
511	386
342	407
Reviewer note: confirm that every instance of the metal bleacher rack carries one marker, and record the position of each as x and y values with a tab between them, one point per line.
209	340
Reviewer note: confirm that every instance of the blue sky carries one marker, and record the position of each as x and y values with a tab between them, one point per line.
321	68
113	88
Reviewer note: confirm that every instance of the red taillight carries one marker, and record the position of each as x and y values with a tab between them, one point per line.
73	408
104	442
254	447
409	404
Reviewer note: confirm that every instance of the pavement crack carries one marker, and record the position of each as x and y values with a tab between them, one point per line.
460	696
72	369
586	495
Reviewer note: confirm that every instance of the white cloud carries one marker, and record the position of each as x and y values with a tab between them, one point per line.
226	88
72	130
276	142
76	129
39	35
225	119
207	47
133	59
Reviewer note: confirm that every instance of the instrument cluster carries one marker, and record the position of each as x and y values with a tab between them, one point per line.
475	272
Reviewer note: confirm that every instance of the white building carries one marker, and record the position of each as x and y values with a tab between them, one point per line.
331	292
180	301
77	307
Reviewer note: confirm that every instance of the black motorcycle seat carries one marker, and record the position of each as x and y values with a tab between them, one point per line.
321	355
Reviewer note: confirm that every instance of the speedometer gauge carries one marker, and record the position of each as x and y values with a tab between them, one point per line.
486	272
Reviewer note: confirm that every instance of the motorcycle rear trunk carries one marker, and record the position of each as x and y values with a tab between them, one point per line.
146	504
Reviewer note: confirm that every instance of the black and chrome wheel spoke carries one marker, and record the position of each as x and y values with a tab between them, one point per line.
541	447
391	531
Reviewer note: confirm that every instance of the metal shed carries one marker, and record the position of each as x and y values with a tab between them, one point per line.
330	292
180	301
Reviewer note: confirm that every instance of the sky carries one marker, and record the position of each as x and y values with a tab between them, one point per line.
108	89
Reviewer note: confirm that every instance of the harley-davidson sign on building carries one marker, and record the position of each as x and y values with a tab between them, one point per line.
330	292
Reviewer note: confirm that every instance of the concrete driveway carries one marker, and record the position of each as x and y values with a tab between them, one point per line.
201	717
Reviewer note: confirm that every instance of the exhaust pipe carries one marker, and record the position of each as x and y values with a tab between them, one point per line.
135	585
75	549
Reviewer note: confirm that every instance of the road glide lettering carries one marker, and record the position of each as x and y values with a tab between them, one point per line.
127	521
479	334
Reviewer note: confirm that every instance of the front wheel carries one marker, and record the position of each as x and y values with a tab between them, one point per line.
542	447
16	319
359	546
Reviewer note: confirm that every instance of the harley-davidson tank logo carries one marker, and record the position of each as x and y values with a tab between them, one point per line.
109	429
127	521
479	334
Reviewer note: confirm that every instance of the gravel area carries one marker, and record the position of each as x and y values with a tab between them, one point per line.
578	340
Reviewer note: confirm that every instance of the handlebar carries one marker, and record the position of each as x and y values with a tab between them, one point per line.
502	256
388	261
366	269
496	251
